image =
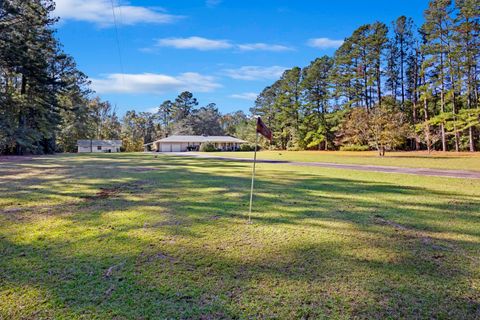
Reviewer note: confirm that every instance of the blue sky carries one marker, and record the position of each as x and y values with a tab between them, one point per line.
223	51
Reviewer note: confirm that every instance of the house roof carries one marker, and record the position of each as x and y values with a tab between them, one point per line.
95	143
200	139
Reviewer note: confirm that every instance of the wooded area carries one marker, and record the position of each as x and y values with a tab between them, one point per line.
403	87
47	104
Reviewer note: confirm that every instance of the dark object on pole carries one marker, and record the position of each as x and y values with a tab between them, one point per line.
253	177
267	133
263	130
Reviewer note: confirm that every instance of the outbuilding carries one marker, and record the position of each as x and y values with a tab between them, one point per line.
179	143
99	145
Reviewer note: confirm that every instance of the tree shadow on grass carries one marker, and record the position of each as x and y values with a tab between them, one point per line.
177	246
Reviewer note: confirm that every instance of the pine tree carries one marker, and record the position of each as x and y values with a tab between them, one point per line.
378	41
183	106
288	106
405	40
165	116
467	39
437	30
316	95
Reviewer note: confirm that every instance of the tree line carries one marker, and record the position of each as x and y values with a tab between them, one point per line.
46	103
387	87
182	116
39	84
397	87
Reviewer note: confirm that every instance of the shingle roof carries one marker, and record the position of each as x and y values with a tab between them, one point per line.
200	139
103	143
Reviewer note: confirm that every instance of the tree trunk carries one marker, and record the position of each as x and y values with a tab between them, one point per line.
427	126
470	139
401	74
442	105
366	90
381	150
454	107
379	85
414	103
22	120
415	120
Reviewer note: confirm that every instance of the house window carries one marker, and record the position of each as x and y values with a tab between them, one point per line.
99	147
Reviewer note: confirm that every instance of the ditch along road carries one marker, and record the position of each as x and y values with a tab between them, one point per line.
463	174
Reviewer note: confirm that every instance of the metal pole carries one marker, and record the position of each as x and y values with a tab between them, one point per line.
253	178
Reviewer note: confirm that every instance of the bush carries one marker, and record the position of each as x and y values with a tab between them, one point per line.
294	148
248	147
193	148
207	147
354	147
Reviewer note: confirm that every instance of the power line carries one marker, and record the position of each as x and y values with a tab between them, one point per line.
118	41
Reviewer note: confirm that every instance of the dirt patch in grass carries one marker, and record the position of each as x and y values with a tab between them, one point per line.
430	248
114	191
382	221
105	193
408	232
146	258
11	210
115	268
169	222
30	213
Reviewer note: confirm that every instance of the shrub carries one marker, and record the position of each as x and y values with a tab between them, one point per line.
294	148
207	147
193	148
354	147
248	147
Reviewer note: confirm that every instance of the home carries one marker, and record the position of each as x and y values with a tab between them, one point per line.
192	143
99	145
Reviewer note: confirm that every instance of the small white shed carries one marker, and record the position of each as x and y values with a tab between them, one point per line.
99	145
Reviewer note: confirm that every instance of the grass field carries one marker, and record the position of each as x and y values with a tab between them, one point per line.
131	236
434	160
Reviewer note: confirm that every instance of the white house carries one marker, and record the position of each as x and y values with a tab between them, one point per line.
192	143
99	145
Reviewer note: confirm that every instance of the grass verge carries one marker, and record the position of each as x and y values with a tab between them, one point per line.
133	236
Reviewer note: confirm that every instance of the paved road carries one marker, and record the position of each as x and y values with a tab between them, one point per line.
386	169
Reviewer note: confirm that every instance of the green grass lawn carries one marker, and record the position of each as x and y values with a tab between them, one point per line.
131	236
435	160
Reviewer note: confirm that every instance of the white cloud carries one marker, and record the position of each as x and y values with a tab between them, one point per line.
154	83
250	96
205	44
198	43
255	72
324	43
263	47
100	13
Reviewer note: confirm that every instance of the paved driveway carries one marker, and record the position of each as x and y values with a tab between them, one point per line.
361	167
